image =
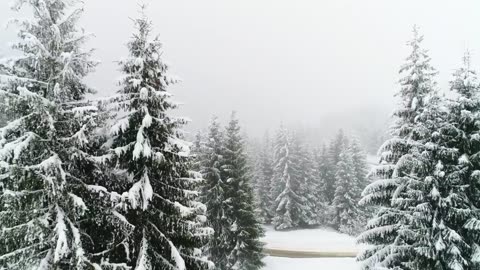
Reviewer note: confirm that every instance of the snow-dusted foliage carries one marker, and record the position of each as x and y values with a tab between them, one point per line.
213	194
161	202
245	248
43	144
334	151
308	184
323	171
397	163
263	175
286	183
345	202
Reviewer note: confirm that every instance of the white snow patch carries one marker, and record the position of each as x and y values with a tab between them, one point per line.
320	239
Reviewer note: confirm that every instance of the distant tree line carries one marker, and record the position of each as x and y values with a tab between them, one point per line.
298	185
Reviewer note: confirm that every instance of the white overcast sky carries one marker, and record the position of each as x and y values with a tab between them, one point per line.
295	61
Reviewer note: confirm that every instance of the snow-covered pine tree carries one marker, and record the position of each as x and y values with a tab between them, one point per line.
433	198
197	148
323	171
360	165
213	194
285	186
42	148
334	151
303	158
387	247
264	174
246	249
345	200
445	234
148	144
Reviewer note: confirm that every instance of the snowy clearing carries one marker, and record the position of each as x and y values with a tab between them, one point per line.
318	240
322	241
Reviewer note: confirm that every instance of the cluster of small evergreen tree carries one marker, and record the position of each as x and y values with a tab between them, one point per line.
228	193
301	187
426	186
103	184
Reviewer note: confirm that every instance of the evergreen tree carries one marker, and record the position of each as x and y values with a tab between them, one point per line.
264	174
345	200
387	233
43	148
285	184
245	251
334	152
323	171
360	166
444	234
307	183
213	194
161	200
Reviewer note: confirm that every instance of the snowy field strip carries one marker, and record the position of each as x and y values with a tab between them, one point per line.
275	263
318	240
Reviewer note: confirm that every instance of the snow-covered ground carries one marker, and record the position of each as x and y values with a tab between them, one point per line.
320	240
310	240
275	263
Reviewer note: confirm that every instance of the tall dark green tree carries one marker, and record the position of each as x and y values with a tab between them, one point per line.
245	251
148	145
213	194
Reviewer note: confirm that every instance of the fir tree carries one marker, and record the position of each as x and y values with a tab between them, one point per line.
264	174
334	152
346	193
307	184
323	171
444	234
147	143
464	112
42	148
285	185
213	194
245	251
359	165
387	233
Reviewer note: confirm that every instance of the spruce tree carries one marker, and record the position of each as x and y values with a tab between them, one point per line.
345	200
387	233
444	234
245	250
334	151
285	185
307	183
323	171
161	201
360	165
43	149
213	194
264	174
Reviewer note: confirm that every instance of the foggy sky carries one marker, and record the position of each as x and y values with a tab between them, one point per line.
293	61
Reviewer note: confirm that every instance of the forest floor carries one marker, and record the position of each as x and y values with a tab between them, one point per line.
310	249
